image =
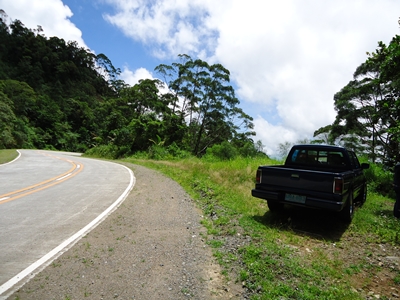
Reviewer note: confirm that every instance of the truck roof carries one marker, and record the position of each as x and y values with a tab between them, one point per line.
319	146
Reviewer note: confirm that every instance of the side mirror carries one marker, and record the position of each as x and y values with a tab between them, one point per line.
364	166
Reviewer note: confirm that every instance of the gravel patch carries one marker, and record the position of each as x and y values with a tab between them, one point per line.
151	247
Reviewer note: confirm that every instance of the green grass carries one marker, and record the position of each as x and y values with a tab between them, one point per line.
375	220
7	155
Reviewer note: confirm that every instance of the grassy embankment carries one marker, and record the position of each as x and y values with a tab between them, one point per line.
297	254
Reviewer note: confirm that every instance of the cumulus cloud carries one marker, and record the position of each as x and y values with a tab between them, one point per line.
270	132
52	15
133	78
172	26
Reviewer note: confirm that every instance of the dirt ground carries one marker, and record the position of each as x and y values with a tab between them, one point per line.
151	247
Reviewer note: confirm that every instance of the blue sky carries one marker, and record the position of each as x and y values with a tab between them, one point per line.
287	58
103	37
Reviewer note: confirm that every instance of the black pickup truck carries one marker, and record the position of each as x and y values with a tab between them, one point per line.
315	176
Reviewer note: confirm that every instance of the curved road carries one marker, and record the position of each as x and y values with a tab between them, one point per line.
48	200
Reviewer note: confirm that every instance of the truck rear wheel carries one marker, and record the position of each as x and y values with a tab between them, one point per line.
347	212
274	206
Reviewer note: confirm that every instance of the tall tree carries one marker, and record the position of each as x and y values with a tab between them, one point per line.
207	103
368	107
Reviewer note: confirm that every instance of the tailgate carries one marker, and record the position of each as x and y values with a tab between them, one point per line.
297	180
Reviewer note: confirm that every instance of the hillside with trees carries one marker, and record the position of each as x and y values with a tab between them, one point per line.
57	95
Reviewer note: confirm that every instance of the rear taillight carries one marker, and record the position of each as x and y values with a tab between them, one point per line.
258	176
337	185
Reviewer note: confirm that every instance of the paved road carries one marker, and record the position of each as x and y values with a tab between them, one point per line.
50	198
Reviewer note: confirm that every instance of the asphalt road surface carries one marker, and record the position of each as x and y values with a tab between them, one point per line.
47	201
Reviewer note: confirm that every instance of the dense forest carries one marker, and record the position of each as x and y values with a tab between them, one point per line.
57	95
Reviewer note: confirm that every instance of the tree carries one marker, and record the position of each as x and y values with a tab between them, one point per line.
284	148
7	123
207	103
368	107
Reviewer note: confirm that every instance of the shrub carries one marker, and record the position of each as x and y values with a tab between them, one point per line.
104	151
177	152
379	180
224	151
172	151
249	150
158	152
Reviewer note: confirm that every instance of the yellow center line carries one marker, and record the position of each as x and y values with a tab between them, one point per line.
44	184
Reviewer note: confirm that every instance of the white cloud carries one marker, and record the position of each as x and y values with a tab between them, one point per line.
52	15
269	134
133	78
169	25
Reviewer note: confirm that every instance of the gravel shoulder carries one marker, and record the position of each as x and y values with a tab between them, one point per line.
151	247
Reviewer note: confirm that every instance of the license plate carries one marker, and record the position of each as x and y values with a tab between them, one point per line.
295	198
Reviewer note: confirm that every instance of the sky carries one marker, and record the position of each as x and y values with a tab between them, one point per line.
287	58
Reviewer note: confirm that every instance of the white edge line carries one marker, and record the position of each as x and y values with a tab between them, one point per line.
33	269
61	178
10	162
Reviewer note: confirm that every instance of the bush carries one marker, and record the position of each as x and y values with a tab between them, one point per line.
177	152
104	151
249	150
158	152
224	151
379	180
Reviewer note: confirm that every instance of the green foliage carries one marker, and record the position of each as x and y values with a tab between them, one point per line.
176	152
103	151
224	151
209	103
380	180
7	123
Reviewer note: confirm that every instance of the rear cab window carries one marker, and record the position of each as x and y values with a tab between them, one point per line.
320	157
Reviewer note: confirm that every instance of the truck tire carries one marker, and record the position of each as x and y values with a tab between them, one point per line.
347	212
274	206
363	195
